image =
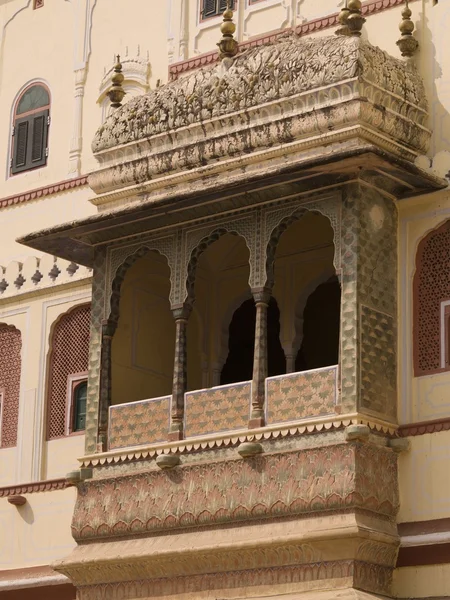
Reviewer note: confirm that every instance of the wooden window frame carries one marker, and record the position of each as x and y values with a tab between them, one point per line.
73	381
218	11
30	118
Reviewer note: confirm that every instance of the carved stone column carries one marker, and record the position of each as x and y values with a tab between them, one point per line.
181	316
108	330
260	358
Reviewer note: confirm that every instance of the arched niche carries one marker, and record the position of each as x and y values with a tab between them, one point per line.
143	346
300	257
218	275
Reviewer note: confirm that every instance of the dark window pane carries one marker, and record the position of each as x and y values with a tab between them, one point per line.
79	413
34	98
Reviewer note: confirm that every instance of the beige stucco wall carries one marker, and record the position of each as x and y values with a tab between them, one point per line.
86	34
38	532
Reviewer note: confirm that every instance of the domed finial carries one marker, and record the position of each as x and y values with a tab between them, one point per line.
228	46
407	42
342	18
116	93
355	20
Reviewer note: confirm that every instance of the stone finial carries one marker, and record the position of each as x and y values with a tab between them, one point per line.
228	46
342	18
116	93
355	20
407	42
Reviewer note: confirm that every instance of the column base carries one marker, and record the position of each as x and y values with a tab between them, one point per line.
256	422
175	436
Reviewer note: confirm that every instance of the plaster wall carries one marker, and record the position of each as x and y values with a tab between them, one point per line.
422	582
38	532
421	398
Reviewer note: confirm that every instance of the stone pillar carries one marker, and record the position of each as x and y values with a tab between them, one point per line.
181	316
108	330
260	359
368	353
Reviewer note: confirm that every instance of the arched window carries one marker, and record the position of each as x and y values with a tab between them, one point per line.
10	367
30	129
66	405
432	303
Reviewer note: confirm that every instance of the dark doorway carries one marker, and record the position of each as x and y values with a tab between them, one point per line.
241	344
321	321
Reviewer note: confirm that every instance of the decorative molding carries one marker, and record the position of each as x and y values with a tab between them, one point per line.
424	427
47	190
374	6
32	488
209	442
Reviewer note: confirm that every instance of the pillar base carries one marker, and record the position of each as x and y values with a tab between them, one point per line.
175	436
256	422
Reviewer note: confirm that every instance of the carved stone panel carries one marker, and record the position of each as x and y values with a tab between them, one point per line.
267	486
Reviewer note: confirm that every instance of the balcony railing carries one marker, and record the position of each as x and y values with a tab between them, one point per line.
225	408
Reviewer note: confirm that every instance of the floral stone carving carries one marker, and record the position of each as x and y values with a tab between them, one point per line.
267	486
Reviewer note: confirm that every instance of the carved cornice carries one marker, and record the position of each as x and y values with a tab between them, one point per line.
47	190
314	25
32	488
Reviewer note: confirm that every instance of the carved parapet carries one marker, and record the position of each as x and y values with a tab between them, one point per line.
37	274
329	89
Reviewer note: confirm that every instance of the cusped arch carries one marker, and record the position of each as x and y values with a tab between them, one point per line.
275	236
199	249
120	274
301	301
68	355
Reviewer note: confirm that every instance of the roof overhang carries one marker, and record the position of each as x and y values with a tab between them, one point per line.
332	169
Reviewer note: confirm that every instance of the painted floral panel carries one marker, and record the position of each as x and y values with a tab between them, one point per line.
138	423
301	395
224	408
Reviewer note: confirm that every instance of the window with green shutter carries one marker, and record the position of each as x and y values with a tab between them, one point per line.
30	130
213	8
79	407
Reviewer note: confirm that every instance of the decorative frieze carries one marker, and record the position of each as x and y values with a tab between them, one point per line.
319	479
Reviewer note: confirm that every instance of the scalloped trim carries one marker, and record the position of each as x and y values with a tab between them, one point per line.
32	488
44	191
210	443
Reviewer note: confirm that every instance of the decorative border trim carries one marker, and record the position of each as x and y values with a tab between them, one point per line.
190	446
374	6
44	191
424	427
32	488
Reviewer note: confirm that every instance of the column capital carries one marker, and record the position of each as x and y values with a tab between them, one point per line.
181	311
262	295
